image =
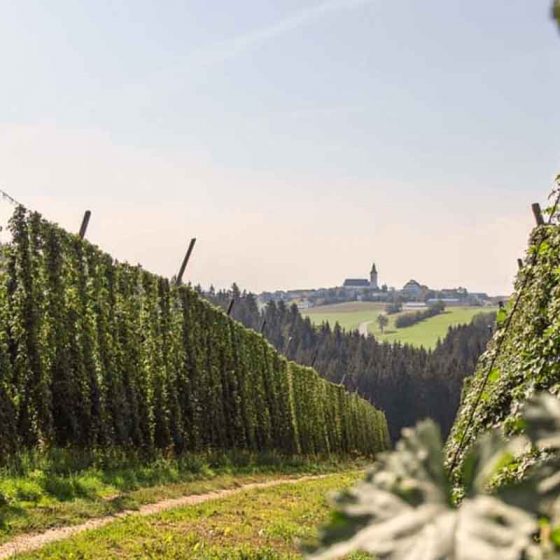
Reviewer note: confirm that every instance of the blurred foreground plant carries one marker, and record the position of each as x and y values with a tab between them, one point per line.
405	508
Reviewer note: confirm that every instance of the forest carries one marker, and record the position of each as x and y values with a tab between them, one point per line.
407	383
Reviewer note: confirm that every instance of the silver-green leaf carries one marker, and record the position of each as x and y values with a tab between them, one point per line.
403	510
542	421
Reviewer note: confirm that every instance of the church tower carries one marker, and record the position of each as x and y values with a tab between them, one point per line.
373	277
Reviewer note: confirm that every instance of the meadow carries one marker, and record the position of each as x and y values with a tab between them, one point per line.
44	492
349	315
262	524
426	333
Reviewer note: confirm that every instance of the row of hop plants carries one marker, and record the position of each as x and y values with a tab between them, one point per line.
100	354
523	356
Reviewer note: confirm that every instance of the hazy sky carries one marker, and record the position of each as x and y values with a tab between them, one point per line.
298	140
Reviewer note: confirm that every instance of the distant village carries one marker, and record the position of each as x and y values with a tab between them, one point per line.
412	293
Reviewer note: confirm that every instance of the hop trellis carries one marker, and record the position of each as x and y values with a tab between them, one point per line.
98	353
523	355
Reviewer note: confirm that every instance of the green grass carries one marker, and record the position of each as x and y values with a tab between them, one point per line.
262	524
426	333
53	491
349	315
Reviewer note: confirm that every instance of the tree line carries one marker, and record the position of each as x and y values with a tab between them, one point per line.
406	382
100	354
409	319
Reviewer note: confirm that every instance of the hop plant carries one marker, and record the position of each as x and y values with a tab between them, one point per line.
405	508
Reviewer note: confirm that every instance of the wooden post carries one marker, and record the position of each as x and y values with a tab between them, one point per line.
185	261
537	213
263	325
519	264
85	222
230	306
314	358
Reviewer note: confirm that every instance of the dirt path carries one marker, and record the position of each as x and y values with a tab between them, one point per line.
363	328
30	542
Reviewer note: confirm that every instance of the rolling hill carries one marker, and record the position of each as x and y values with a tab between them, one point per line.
350	316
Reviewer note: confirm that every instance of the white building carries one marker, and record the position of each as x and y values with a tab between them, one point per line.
412	290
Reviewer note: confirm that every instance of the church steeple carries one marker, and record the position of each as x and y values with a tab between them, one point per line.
373	277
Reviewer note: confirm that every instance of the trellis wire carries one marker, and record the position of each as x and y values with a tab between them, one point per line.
9	198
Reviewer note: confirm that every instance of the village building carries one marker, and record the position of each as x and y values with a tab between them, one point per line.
363	283
356	283
412	294
413	290
449	302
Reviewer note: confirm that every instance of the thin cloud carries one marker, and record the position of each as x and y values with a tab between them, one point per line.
236	46
203	57
311	112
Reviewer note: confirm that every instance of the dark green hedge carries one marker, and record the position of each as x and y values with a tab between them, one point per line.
94	353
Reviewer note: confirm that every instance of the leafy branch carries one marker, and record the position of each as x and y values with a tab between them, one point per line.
405	507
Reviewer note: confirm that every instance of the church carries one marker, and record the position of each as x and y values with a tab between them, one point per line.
363	283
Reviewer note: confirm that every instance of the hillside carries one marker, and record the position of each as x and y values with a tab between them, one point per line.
523	355
352	315
407	383
349	315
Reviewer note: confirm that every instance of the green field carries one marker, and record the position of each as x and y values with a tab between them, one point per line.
54	492
263	524
349	315
426	333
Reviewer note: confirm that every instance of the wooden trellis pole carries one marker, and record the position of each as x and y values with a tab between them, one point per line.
230	306
536	207
314	357
179	279
85	223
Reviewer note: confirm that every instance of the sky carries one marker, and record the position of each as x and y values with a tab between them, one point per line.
298	141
